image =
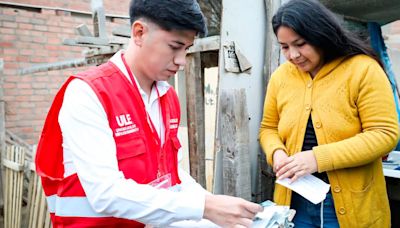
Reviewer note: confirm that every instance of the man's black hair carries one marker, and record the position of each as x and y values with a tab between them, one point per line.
170	14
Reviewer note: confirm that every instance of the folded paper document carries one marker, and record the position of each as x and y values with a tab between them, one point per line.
310	187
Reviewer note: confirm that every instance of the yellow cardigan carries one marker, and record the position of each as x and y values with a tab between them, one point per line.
354	117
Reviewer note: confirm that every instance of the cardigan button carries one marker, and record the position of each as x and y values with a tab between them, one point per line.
318	125
308	107
337	189
342	211
309	84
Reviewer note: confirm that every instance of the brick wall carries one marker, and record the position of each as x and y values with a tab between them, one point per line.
31	36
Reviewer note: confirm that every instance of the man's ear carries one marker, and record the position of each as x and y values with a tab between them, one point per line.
139	28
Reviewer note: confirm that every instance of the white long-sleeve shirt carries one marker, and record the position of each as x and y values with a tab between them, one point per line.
90	151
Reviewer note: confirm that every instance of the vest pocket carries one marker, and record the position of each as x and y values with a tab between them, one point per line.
131	148
133	160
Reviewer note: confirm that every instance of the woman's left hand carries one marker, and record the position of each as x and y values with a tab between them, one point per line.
298	165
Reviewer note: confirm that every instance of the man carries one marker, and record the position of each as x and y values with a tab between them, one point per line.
108	152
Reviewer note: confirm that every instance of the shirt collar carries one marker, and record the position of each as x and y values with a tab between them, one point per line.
162	86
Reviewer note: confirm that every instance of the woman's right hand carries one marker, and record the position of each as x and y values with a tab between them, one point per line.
279	159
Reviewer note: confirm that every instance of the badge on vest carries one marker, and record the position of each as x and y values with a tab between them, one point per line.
173	123
126	126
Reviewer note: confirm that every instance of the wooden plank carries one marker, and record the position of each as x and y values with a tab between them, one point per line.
31	194
92	40
83	30
54	66
7	190
73	42
195	116
14	187
210	43
2	131
124	31
234	143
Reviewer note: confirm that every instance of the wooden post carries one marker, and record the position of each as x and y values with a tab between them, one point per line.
234	143
237	23
2	133
195	116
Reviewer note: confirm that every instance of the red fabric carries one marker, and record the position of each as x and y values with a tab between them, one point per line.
139	154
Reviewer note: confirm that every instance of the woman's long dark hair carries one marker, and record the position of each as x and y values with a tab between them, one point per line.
320	28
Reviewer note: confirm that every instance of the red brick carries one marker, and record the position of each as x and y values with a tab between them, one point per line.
52	22
37	98
41	52
7	17
37	21
22	19
39	85
24	86
9	71
37	33
39	39
35	59
54	41
10	65
8	51
26	52
10	11
47	12
9	86
12	78
10	24
56	29
54	35
25	26
36	47
6	44
52	47
23	32
7	31
40	27
41	91
22	58
26	38
24	13
26	92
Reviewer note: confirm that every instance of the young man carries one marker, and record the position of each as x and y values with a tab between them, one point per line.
108	152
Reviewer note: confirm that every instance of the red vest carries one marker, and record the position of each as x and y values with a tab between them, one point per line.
139	154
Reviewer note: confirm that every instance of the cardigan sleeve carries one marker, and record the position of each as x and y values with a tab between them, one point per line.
377	114
268	134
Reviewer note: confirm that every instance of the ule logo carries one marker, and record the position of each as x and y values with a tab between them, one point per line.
126	126
124	120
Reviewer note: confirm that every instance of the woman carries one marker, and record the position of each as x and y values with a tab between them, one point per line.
329	111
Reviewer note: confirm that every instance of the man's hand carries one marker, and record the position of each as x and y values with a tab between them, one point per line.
228	211
297	166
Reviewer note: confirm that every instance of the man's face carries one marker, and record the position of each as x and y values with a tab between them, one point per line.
163	52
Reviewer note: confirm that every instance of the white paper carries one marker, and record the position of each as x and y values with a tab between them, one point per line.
310	187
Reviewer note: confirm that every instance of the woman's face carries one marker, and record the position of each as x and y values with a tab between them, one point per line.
302	54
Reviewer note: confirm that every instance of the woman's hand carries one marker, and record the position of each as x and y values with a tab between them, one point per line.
298	165
279	159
